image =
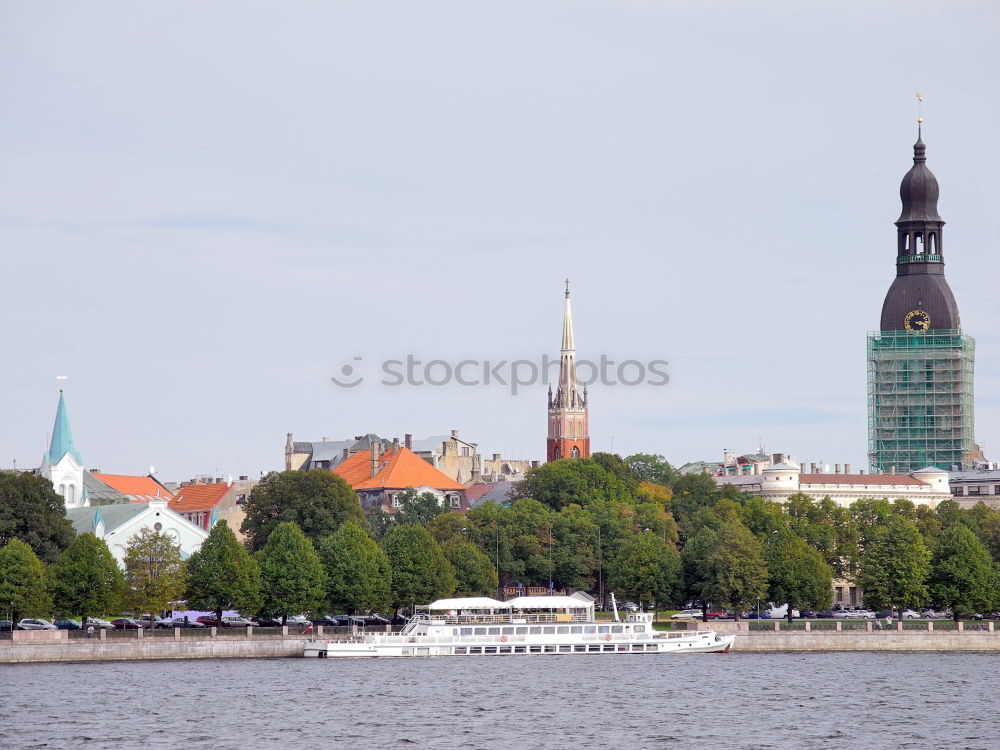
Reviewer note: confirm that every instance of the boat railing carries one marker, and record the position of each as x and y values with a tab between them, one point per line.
509	618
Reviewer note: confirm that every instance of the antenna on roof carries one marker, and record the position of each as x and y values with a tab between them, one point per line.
152	470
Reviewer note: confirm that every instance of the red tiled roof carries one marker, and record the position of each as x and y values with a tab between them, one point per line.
140	489
858	479
198	497
476	491
397	470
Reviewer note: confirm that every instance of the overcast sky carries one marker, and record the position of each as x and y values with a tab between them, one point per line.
207	209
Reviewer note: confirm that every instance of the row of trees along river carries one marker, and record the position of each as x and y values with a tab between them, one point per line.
632	526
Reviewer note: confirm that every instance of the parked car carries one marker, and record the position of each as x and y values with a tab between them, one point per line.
399	620
687	614
6	625
630	607
376	620
35	623
209	621
157	622
270	622
883	613
126	623
98	623
346	620
236	621
780	613
69	624
717	614
185	622
299	621
808	614
854	614
826	613
755	615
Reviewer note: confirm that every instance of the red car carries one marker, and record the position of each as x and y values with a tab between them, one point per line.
716	614
209	621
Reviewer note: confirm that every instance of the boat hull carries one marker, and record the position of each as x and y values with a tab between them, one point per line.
700	642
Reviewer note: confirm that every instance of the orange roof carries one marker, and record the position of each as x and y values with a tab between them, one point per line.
198	497
140	489
858	479
397	470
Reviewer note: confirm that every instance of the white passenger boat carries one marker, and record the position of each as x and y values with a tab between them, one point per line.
479	626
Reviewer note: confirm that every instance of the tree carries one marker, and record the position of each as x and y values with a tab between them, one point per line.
647	467
318	501
737	568
420	571
222	575
291	574
418	509
617	467
30	510
962	575
24	588
646	569
894	566
154	572
358	576
581	481
696	568
474	571
86	579
379	521
797	573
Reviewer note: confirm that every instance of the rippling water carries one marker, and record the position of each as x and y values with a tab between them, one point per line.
737	700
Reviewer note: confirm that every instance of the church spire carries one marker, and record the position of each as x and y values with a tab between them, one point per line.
568	416
62	439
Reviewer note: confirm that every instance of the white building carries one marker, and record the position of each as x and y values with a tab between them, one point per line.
929	486
117	524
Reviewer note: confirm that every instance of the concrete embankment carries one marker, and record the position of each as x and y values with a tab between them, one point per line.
120	649
868	638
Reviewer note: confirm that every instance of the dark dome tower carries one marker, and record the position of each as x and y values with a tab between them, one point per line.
920	365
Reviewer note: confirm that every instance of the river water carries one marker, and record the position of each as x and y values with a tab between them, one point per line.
759	701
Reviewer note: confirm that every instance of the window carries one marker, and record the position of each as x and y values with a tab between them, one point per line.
576	629
455	502
579	647
975	490
640	628
465	451
521	631
459	650
575	453
956	490
535	630
589	628
549	630
562	629
507	631
996	490
493	631
603	629
396	503
71	493
617	629
520	650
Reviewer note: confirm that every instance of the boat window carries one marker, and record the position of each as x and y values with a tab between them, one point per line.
603	629
520	650
467	631
609	647
594	647
535	630
637	647
494	631
550	649
480	631
507	631
548	630
576	629
589	628
651	647
475	649
640	628
579	647
535	649
565	649
460	650
521	631
489	649
505	650
562	629
623	647
617	629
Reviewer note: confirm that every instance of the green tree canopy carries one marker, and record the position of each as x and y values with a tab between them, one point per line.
420	571
418	508
696	567
649	467
291	575
580	481
154	572
222	575
30	510
86	579
894	565
317	501
646	569
24	590
474	571
962	575
358	575
797	573
737	568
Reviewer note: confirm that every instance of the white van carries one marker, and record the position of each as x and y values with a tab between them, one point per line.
780	613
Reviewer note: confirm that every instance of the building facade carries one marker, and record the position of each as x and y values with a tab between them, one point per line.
569	415
920	363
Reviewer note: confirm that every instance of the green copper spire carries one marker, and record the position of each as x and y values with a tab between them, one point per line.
62	438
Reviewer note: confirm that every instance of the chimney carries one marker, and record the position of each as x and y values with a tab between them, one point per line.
374	460
812	468
218	480
395	443
326	439
408	441
892	469
836	468
861	471
454	433
847	468
534	464
496	456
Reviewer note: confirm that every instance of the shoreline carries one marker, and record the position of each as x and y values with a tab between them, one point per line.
249	647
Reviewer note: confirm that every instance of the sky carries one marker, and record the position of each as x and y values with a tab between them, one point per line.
207	210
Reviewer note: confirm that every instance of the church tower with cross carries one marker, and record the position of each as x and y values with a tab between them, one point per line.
569	428
920	363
